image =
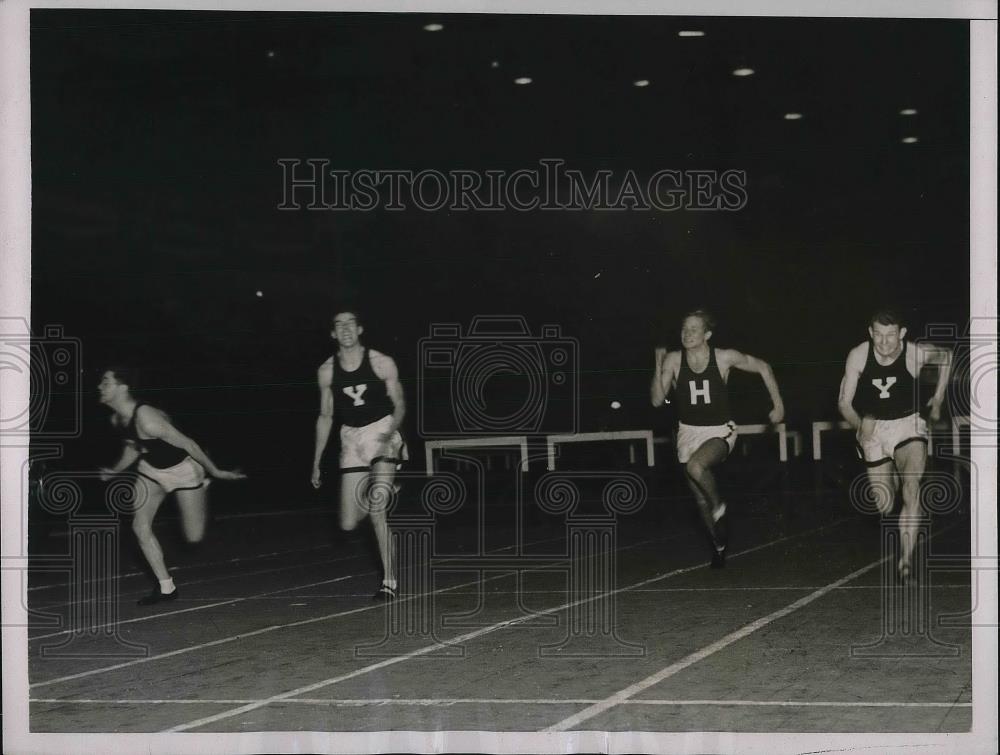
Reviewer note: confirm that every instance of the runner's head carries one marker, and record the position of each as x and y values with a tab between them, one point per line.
887	332
346	327
696	328
117	382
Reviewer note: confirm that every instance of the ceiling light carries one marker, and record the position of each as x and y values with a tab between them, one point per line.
641	83
690	34
433	27
908	111
522	80
910	140
743	72
793	116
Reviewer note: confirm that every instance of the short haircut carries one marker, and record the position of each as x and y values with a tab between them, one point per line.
345	310
704	315
126	375
886	317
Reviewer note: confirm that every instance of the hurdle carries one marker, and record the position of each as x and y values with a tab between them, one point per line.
647	435
509	440
783	437
818	428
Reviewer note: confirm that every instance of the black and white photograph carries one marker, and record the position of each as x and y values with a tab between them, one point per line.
498	378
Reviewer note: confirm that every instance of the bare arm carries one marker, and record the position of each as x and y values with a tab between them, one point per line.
129	455
324	422
849	386
929	354
663	375
155	424
748	363
385	368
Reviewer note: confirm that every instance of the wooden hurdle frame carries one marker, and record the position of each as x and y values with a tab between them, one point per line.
646	435
508	440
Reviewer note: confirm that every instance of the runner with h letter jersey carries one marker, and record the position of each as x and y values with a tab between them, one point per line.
706	433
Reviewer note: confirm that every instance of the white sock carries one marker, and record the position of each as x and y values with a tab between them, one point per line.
390	583
719	512
167	585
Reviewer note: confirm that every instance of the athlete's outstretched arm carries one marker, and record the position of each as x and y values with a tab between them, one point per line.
154	423
749	363
928	353
849	385
325	419
662	376
129	454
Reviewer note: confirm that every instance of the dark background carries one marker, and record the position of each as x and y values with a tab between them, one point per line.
155	182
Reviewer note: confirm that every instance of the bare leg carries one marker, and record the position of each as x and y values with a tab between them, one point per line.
148	497
911	460
883	482
380	497
698	472
353	506
194	512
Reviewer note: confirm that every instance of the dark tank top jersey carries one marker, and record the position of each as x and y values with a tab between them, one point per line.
155	452
702	398
359	397
885	391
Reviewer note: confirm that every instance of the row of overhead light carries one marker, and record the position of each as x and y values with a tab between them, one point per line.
641	83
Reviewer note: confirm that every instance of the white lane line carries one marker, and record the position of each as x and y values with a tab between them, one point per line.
241	576
202	607
340	614
272	628
177	569
699	655
462	638
803	704
448	701
202	646
163	614
47	606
